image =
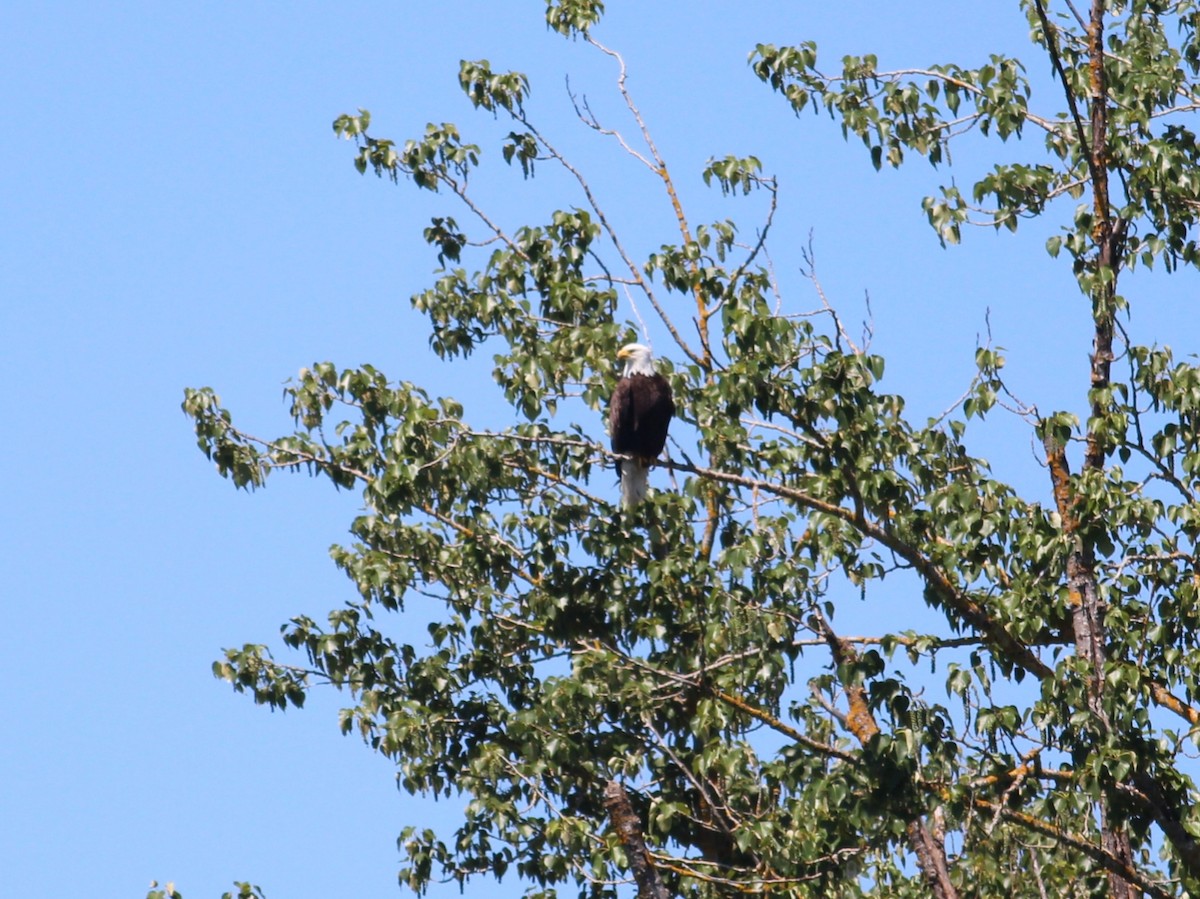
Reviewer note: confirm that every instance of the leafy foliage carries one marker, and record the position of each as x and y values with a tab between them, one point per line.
1034	742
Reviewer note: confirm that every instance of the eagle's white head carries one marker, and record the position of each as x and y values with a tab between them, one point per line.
637	358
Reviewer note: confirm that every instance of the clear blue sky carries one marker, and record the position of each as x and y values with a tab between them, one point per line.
177	212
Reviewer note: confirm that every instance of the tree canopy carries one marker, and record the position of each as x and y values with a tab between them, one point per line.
665	696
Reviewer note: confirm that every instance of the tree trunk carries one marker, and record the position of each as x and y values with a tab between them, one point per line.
629	830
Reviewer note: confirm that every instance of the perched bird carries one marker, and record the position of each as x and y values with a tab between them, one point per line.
638	417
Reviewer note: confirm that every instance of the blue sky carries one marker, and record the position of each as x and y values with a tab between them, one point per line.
178	213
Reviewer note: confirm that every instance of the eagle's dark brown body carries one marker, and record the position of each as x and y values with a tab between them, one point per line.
640	414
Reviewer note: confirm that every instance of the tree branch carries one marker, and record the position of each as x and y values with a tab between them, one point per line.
930	852
629	830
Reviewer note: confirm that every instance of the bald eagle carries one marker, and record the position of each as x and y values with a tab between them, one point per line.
638	417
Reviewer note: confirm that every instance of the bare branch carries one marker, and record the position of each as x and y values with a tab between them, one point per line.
629	830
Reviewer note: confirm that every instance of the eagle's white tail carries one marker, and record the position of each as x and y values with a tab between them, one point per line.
635	482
